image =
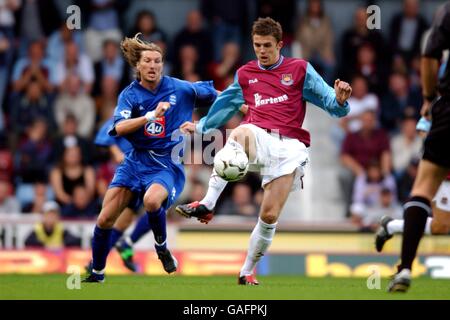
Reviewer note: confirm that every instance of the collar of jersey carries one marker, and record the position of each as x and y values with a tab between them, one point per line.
154	92
276	65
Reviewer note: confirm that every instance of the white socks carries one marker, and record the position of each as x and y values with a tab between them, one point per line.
260	240
215	187
216	183
396	226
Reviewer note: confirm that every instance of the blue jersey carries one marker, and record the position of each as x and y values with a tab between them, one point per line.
183	96
103	139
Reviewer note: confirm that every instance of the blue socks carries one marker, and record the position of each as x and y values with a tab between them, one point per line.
101	245
157	221
115	236
141	228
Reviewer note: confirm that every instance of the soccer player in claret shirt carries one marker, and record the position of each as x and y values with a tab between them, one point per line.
149	113
275	89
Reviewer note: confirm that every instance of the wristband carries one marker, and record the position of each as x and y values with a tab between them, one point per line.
150	116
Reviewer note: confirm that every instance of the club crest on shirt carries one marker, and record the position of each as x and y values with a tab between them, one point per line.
444	200
173	99
156	128
286	79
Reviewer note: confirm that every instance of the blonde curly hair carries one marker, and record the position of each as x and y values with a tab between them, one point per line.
132	49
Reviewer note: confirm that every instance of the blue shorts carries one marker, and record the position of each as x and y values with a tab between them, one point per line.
141	169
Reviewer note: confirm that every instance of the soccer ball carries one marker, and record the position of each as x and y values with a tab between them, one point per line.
231	164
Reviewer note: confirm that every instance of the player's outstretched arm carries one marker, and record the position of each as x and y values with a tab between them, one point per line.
226	105
319	93
128	126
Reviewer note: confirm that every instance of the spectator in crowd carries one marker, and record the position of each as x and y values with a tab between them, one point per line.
406	30
368	219
70	138
193	33
75	63
58	40
147	25
5	60
73	100
359	149
26	108
283	11
33	68
82	205
70	173
222	72
102	18
188	63
406	145
6	160
8	202
357	36
397	99
240	203
35	20
370	67
315	35
40	194
34	154
360	101
112	68
50	233
227	23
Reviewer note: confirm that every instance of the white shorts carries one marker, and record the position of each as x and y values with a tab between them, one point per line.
277	156
442	197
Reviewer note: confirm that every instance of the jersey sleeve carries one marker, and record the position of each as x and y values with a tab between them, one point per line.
439	38
319	93
102	138
205	94
226	105
123	111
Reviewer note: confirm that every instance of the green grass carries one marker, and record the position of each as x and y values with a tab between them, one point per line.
212	288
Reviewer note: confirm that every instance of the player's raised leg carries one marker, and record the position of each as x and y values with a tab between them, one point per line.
275	196
154	197
116	199
241	138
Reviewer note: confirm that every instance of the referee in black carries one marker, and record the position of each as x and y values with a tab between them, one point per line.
435	163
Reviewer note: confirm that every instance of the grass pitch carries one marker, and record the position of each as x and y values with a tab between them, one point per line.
176	287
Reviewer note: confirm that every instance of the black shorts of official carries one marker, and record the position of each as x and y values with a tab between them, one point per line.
437	143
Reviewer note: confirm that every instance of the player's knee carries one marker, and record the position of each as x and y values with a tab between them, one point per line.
105	221
269	216
151	204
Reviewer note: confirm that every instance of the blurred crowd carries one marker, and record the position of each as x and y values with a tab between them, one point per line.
58	86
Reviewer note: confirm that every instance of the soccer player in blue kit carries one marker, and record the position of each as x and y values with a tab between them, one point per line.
148	114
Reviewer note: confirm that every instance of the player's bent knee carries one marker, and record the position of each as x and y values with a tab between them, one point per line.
439	229
105	221
151	204
269	217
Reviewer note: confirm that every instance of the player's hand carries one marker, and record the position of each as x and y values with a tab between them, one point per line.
244	109
426	110
161	108
343	91
188	127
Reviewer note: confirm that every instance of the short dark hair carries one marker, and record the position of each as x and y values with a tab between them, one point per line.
267	27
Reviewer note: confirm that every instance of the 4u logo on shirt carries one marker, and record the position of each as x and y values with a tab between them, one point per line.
156	128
